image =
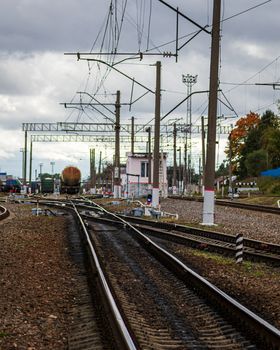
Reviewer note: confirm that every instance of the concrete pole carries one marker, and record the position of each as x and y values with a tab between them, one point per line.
174	188
99	168
22	163
25	158
185	168
230	167
53	164
203	153
90	166
155	191
117	179
180	170
92	170
209	195
41	169
30	163
132	135
149	158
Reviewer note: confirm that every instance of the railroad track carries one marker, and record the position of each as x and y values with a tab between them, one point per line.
214	241
222	243
160	320
203	240
254	207
110	238
4	213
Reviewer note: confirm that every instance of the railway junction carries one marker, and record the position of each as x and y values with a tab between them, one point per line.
58	268
81	270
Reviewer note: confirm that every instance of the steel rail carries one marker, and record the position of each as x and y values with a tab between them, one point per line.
4	212
255	244
264	331
254	207
261	329
115	313
194	240
254	250
266	247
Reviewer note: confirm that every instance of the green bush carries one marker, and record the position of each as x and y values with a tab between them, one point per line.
269	185
275	189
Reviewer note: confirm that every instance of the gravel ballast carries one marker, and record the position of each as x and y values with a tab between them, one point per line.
37	281
38	278
252	224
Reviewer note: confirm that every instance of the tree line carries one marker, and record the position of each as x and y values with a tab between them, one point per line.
253	145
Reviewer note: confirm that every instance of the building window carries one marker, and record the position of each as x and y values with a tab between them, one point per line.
144	169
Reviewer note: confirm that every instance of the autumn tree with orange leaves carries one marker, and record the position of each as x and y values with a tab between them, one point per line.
238	136
254	144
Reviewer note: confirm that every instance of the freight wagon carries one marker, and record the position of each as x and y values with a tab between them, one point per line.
70	180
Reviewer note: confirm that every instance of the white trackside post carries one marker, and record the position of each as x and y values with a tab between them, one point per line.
239	248
208	207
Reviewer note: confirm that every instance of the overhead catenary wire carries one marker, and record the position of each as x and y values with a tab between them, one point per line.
117	31
149	24
247	10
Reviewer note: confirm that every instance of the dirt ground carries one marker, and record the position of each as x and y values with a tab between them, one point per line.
36	281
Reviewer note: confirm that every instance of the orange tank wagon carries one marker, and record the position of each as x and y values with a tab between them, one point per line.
70	180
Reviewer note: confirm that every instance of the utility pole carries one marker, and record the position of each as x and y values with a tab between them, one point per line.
99	168
149	158
185	168
92	170
41	169
25	157
155	191
230	168
174	189
132	135
22	150
203	152
189	80
180	171
209	194
117	179
52	164
30	163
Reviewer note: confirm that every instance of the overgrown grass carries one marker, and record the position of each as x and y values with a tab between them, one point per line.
252	268
269	185
3	334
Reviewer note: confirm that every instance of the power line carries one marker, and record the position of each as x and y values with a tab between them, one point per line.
260	71
249	9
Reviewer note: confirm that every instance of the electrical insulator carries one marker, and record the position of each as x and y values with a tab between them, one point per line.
167	54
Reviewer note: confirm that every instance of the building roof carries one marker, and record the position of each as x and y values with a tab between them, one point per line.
271	172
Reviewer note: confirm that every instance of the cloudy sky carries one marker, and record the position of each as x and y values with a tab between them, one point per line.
36	76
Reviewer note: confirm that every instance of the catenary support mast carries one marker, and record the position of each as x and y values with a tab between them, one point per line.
155	191
209	200
117	178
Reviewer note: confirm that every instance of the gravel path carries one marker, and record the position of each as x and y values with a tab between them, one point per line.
37	281
255	225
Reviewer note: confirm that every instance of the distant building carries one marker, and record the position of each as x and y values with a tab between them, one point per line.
3	176
135	180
